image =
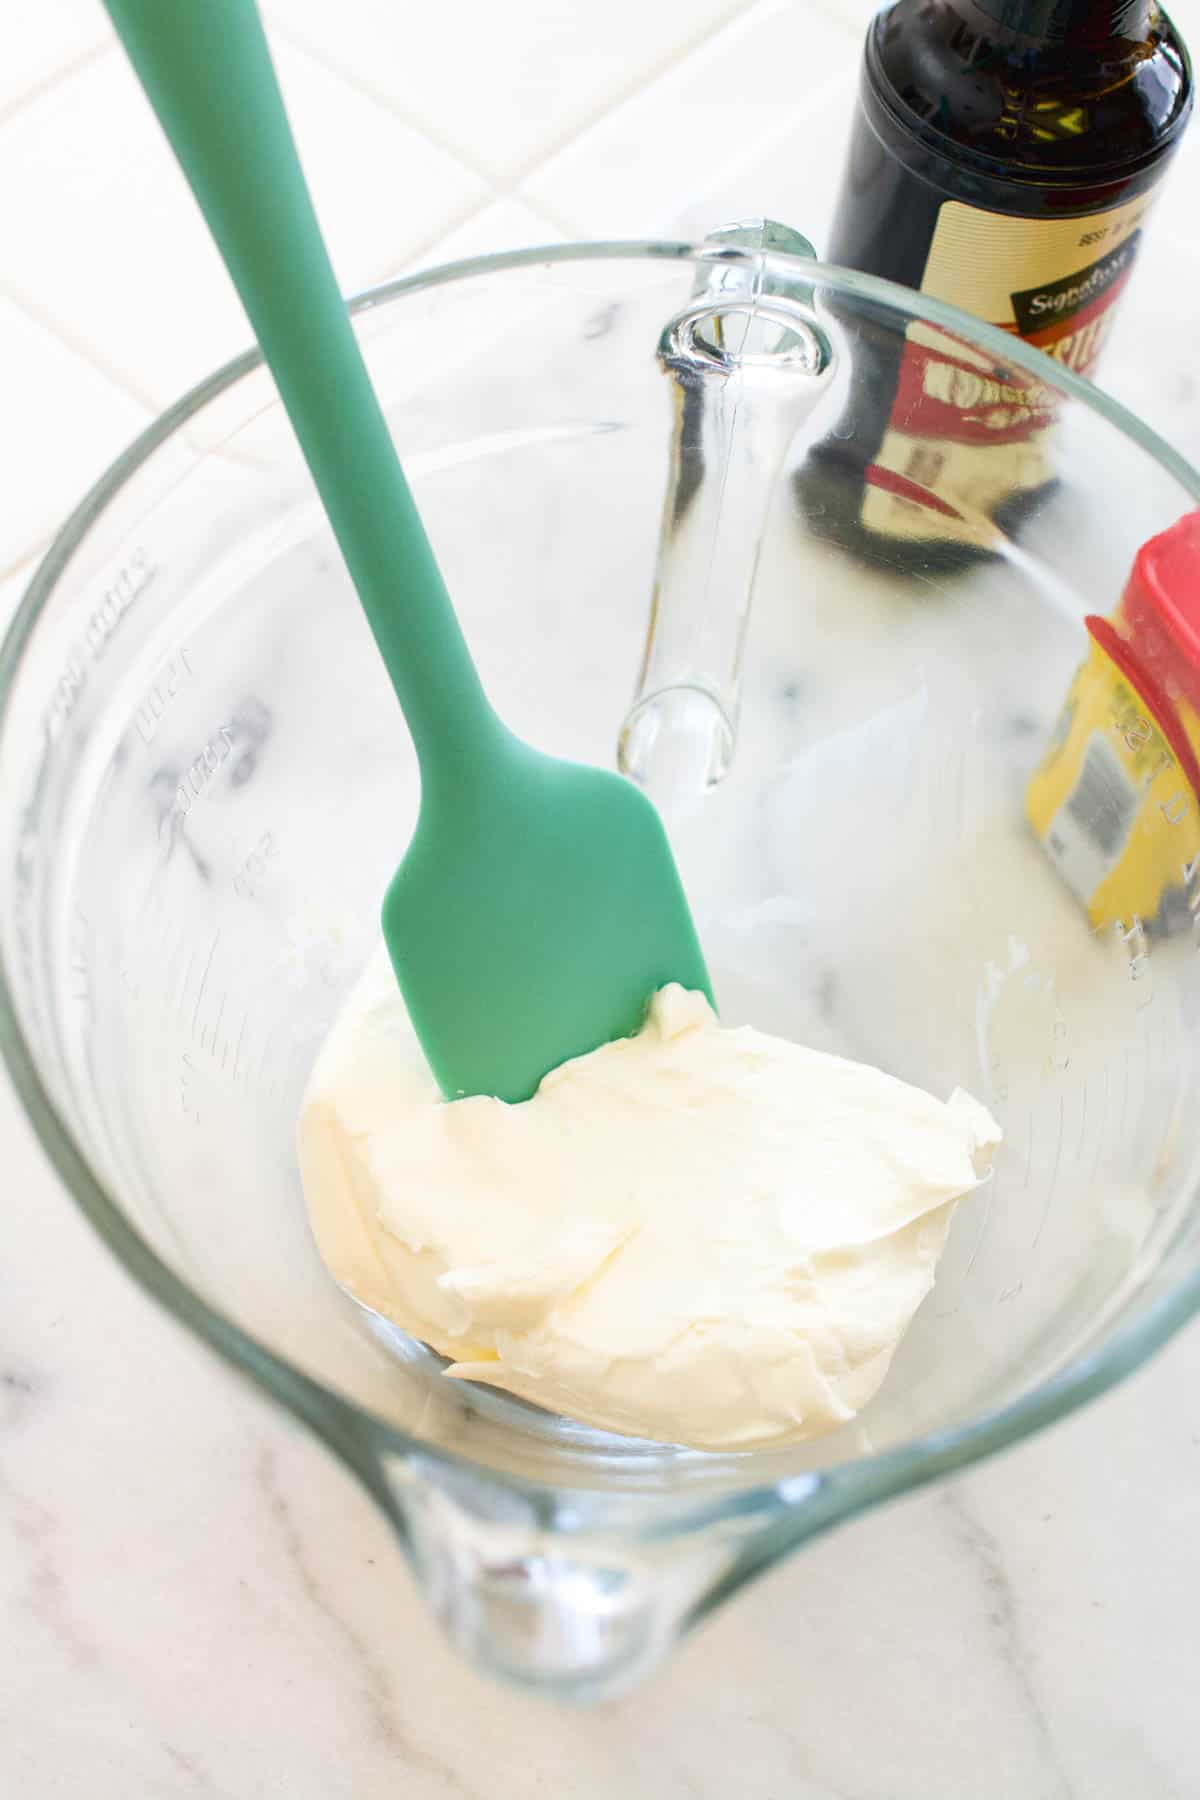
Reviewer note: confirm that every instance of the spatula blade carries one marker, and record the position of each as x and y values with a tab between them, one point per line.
532	920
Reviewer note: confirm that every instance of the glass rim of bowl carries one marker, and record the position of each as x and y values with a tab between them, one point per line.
363	1438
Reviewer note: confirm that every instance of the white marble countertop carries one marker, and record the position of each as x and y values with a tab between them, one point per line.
196	1600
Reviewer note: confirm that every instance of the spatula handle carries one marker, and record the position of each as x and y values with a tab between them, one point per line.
207	71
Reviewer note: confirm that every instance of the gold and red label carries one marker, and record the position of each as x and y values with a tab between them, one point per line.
964	437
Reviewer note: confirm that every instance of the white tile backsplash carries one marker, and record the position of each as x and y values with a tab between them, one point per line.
506	224
500	84
101	232
432	133
63	423
640	165
791	173
1152	362
42	39
12	587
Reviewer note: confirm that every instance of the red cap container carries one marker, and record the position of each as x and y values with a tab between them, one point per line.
1159	615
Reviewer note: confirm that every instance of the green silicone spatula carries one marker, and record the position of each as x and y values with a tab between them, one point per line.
538	906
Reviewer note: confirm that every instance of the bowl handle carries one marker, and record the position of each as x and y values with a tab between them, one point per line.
748	361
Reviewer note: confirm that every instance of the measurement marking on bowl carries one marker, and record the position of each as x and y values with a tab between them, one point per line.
209	1051
212	951
199	775
182	994
237	1049
983	1228
109	597
165	689
216	1029
253	866
273	1080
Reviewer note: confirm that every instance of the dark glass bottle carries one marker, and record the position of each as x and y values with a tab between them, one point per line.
1003	158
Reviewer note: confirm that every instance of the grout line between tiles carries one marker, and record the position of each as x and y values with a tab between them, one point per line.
304	46
31	556
512	178
779	132
404	264
546	213
671	58
396	266
62	73
78	346
510	188
742	14
751	151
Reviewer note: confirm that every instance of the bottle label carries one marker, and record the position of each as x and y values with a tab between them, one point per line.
965	438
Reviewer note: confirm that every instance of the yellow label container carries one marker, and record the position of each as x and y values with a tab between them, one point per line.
1114	799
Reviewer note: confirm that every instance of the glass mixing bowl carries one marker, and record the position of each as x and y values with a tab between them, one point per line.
206	785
